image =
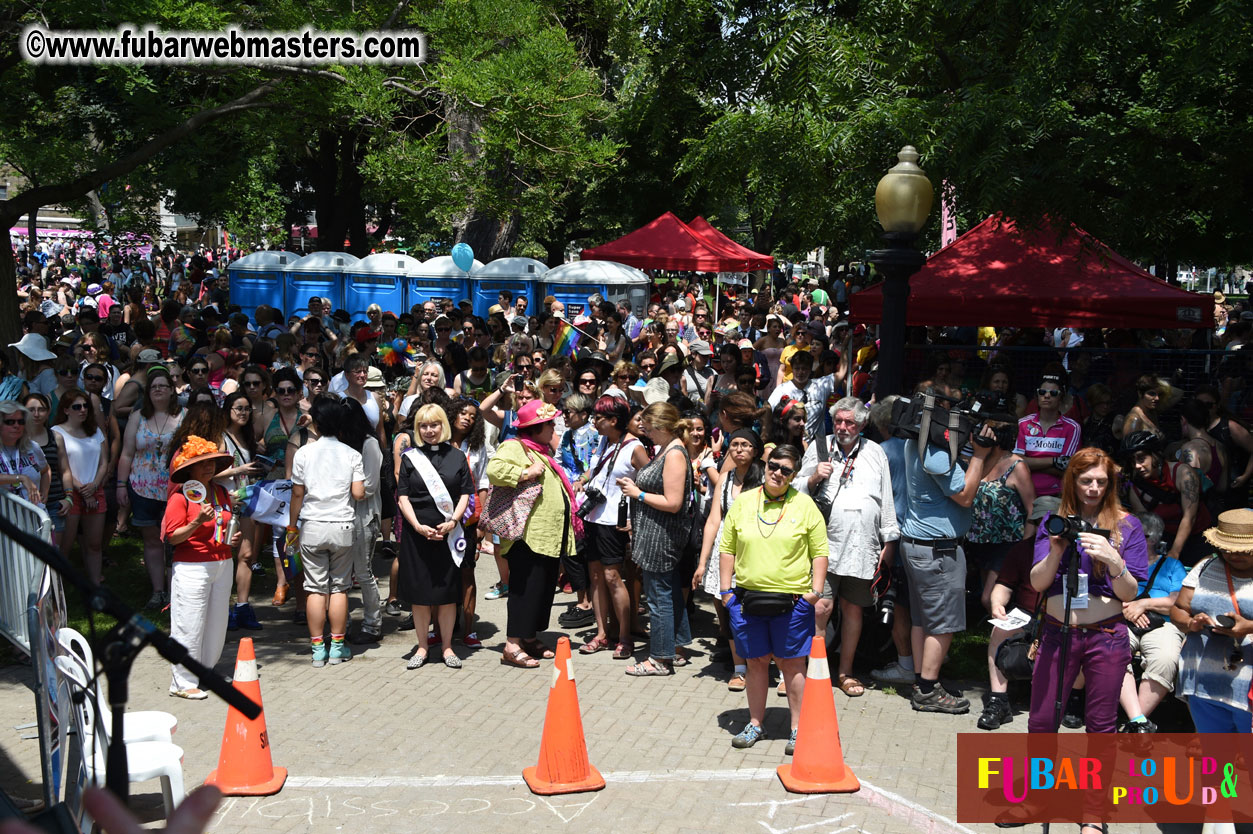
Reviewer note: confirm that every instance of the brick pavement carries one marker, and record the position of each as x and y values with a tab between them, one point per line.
374	748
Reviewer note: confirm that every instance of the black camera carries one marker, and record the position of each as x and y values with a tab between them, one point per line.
592	498
1070	526
887	606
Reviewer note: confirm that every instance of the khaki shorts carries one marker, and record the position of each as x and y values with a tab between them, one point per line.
848	588
326	551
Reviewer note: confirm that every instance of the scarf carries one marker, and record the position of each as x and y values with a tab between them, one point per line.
544	452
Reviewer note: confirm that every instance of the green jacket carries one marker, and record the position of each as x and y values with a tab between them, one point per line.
543	528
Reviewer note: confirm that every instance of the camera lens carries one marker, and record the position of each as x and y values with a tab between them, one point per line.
1056	525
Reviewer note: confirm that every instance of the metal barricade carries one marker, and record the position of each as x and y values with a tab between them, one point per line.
21	574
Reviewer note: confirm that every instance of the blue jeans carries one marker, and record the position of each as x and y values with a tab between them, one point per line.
1215	717
667	609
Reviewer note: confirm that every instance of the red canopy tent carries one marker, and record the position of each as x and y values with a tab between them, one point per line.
996	274
668	243
707	232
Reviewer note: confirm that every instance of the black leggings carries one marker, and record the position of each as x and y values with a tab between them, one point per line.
532	587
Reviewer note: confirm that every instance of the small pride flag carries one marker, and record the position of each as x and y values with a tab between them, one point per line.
566	340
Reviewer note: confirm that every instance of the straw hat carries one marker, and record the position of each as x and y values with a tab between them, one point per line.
194	451
534	413
1234	532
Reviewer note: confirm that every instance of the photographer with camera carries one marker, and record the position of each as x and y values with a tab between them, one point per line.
852	486
1089	559
940	499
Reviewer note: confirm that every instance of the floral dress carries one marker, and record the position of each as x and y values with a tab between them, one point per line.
998	514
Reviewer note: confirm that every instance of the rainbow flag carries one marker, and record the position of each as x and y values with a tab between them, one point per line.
566	340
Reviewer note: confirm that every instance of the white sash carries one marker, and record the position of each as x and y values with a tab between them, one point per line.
443	502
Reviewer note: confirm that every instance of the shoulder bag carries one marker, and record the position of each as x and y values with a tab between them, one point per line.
1156	618
1016	656
509	508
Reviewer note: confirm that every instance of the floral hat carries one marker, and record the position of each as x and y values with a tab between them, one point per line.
195	450
534	413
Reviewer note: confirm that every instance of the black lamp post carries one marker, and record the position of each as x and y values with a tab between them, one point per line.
902	201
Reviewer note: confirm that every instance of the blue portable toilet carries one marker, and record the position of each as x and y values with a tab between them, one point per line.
521	276
439	278
320	274
378	279
257	279
572	283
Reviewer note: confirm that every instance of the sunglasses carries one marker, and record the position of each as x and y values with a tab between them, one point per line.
443	329
312	383
778	467
74	407
621	376
1047	392
15	422
198	371
67	372
312	354
286	391
252	383
591	381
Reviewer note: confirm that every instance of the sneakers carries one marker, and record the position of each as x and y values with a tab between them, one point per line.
1073	717
320	653
364	635
737	683
576	617
938	701
498	591
996	712
394	608
893	673
791	744
406	624
157	601
750	735
246	617
1145	726
232	619
339	652
472	641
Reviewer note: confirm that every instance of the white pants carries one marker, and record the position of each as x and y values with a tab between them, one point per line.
363	567
200	593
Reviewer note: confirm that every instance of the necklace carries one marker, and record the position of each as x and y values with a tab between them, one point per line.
761	509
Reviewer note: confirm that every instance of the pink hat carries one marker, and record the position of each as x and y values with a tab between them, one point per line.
534	413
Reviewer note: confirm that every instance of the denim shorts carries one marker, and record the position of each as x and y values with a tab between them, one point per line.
145	512
785	635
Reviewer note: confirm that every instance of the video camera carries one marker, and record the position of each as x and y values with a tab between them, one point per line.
945	422
1070	526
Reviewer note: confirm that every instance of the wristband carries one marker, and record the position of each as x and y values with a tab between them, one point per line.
292	529
1124	570
727	591
640	497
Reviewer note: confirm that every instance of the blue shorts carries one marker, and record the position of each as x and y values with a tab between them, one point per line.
145	512
787	635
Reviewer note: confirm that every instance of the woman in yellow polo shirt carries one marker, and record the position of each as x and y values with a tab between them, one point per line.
774	544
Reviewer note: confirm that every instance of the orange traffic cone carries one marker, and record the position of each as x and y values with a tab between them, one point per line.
817	765
245	767
563	764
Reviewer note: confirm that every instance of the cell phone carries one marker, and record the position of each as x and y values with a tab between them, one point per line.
266	460
1225	621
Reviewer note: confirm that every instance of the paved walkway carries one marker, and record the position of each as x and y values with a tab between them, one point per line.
373	748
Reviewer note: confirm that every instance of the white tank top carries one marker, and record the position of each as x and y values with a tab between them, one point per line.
606	479
83	453
371	408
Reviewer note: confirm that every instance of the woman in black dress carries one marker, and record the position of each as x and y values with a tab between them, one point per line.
429	576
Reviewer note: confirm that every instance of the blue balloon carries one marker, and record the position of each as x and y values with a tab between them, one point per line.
463	256
401	345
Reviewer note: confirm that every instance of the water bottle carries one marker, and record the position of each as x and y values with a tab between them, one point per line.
623	511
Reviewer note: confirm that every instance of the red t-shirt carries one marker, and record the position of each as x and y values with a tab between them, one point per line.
201	547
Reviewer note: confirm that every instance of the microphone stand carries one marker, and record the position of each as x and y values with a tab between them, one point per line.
1072	590
123	643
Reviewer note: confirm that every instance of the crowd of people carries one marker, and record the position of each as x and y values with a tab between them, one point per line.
720	451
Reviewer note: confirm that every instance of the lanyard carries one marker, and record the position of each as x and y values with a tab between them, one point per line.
847	474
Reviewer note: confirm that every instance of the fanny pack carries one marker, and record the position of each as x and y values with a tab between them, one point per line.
765	603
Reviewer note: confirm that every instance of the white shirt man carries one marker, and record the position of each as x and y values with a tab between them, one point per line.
862	529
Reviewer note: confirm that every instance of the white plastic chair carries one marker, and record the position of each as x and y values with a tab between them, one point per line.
144	759
140	725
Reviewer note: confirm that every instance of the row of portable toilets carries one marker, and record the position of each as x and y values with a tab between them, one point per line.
396	282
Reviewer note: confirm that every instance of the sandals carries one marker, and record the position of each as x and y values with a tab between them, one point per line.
189	694
519	659
537	649
680	659
848	684
623	651
596	644
649	669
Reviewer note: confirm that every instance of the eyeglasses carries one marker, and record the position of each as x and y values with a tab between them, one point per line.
74	407
286	391
242	410
1048	392
160	386
778	467
15	422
